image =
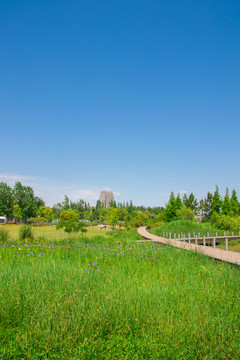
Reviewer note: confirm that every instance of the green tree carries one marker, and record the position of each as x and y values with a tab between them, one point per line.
171	209
191	203
206	207
114	217
17	214
6	200
69	214
226	205
24	197
45	212
216	202
234	204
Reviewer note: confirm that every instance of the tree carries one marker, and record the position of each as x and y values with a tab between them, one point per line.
24	197
17	214
45	212
191	202
206	207
114	217
72	226
6	200
216	202
171	208
226	205
69	214
234	204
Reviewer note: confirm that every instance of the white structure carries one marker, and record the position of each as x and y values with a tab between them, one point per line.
3	220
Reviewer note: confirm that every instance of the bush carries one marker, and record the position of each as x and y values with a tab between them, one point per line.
4	236
10	222
25	233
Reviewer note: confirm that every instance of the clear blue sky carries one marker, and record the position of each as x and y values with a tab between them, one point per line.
140	97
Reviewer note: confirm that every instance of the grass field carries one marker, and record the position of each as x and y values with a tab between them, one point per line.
113	298
50	232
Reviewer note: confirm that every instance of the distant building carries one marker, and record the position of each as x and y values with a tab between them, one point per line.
106	197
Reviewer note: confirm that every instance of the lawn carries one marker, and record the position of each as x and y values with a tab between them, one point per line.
113	298
50	232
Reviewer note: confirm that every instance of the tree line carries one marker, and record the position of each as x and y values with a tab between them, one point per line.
19	202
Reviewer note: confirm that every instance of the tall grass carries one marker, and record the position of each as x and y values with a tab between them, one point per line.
102	299
188	227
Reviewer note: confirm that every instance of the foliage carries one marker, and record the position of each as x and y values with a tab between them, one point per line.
4	236
69	214
38	221
186	227
226	222
17	213
72	226
25	233
45	212
24	197
6	200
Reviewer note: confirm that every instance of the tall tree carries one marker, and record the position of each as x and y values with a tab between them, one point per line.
206	207
6	200
234	204
24	197
226	205
17	214
216	202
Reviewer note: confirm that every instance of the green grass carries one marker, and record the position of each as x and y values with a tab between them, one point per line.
49	232
105	298
186	227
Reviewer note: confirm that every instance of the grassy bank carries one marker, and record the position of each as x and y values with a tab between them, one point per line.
188	227
105	298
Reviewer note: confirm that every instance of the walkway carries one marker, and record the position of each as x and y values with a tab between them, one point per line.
219	254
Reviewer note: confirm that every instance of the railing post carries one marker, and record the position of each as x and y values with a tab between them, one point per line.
216	234
189	238
199	235
194	234
174	236
184	237
224	233
232	233
208	234
170	235
178	236
214	242
204	241
226	244
196	240
166	234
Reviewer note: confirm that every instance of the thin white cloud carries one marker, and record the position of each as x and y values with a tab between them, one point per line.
15	177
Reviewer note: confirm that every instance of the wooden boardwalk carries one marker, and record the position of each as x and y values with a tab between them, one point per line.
219	254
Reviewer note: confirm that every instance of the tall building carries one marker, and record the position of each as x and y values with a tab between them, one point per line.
106	197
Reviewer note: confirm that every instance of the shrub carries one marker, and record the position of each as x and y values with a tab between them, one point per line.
10	222
4	236
25	233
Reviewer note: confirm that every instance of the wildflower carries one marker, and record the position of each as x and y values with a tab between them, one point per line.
88	264
41	255
28	255
95	264
154	260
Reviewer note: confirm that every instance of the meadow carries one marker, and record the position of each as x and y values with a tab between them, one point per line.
48	232
110	297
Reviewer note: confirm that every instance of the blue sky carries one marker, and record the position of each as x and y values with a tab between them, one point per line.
138	97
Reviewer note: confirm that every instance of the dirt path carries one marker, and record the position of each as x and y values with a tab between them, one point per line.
228	256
